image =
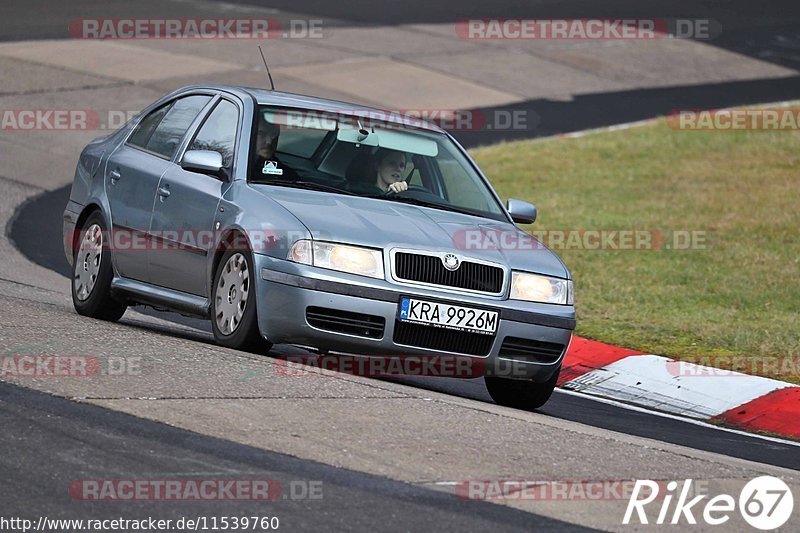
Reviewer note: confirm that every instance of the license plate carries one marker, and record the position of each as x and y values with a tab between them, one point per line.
448	316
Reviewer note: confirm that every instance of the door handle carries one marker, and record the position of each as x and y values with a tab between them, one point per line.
163	191
114	175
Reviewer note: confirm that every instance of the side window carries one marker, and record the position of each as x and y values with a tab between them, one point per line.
169	132
415	179
218	133
147	126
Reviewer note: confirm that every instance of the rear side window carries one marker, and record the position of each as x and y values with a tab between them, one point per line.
147	126
162	130
218	133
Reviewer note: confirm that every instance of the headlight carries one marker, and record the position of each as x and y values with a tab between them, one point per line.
544	289
341	257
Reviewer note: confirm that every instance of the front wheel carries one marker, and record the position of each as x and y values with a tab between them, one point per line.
521	394
233	304
92	273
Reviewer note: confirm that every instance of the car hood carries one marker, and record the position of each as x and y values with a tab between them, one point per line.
385	224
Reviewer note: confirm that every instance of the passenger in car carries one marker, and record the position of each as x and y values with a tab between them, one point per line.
266	163
381	173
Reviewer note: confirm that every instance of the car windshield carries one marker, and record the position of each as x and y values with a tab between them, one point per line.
366	156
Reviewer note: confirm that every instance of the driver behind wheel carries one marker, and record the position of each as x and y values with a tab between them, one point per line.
389	168
381	173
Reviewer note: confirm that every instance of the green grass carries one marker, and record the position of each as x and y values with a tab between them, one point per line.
741	295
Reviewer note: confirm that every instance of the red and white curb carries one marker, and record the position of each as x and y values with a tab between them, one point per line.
737	400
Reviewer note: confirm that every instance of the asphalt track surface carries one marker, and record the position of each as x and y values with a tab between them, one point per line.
35	230
105	443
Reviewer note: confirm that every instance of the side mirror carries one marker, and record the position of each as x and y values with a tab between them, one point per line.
521	212
204	162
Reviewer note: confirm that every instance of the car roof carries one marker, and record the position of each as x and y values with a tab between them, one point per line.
283	99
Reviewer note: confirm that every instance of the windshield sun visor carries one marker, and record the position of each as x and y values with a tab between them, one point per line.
391	139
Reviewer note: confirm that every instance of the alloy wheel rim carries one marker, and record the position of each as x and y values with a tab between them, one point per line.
230	294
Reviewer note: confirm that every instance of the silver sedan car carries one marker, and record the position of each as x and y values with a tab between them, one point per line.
284	218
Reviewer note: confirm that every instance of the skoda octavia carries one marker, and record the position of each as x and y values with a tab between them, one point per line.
290	219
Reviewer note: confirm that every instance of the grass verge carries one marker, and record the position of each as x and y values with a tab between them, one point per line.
740	295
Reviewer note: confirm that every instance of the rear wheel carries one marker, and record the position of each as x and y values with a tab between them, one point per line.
233	304
92	273
521	394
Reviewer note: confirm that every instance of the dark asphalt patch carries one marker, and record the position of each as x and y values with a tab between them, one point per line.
50	442
36	229
586	111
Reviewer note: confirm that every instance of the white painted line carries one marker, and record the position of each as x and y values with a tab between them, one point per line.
692	421
615	127
673	386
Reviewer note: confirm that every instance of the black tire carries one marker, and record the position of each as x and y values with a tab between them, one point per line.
521	394
98	303
245	335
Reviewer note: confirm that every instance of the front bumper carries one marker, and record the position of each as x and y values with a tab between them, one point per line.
286	289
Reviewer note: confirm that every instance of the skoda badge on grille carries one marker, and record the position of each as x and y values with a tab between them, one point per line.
451	262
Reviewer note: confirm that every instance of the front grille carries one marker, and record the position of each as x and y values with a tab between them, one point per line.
446	340
530	350
346	322
430	269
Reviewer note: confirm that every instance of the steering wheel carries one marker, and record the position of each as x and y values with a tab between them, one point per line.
411	188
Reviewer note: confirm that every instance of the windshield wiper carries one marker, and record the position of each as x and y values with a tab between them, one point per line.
308	185
425	203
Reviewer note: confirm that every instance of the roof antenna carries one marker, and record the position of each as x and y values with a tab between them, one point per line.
271	85
362	133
